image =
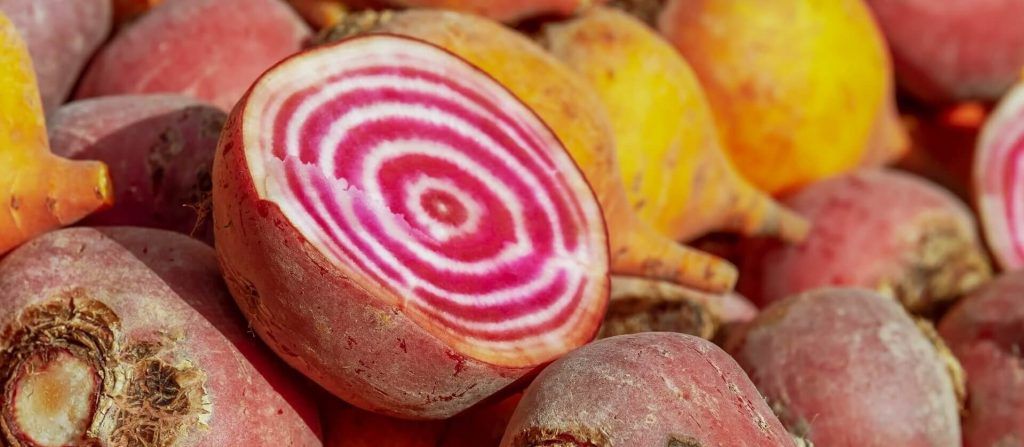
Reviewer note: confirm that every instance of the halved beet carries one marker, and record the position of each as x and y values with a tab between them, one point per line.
999	180
402	229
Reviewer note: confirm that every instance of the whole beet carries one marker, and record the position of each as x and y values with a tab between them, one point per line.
849	367
649	389
954	49
985	331
209	49
159	149
126	336
879	229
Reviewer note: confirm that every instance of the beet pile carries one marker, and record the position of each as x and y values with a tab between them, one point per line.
465	223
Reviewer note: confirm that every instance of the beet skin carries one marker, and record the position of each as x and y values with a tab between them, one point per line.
849	367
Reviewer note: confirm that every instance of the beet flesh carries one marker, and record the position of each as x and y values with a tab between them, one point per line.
413	280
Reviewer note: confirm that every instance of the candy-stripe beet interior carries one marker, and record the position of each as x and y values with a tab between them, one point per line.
438	190
999	180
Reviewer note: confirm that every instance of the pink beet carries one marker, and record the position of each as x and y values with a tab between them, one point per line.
849	367
208	49
954	49
880	229
61	36
403	230
985	331
159	149
126	336
650	389
999	180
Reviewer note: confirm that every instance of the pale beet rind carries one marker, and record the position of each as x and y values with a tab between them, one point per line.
877	228
952	50
985	331
61	36
327	306
999	180
159	149
208	49
650	389
147	312
849	367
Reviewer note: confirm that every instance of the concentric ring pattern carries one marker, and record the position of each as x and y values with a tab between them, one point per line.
999	180
425	176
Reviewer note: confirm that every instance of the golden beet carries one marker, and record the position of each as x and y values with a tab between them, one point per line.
801	90
38	190
669	152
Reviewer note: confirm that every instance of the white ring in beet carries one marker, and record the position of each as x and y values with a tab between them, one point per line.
436	187
999	180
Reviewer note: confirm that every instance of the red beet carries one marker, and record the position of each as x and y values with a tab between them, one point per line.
159	149
849	367
985	331
209	49
61	36
999	180
126	336
403	230
879	229
954	49
651	389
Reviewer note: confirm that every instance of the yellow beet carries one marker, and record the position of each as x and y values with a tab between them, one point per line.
574	112
38	190
801	89
669	152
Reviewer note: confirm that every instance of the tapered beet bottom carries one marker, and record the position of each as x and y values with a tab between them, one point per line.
126	337
881	229
849	367
652	389
999	180
208	49
402	229
159	149
985	332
